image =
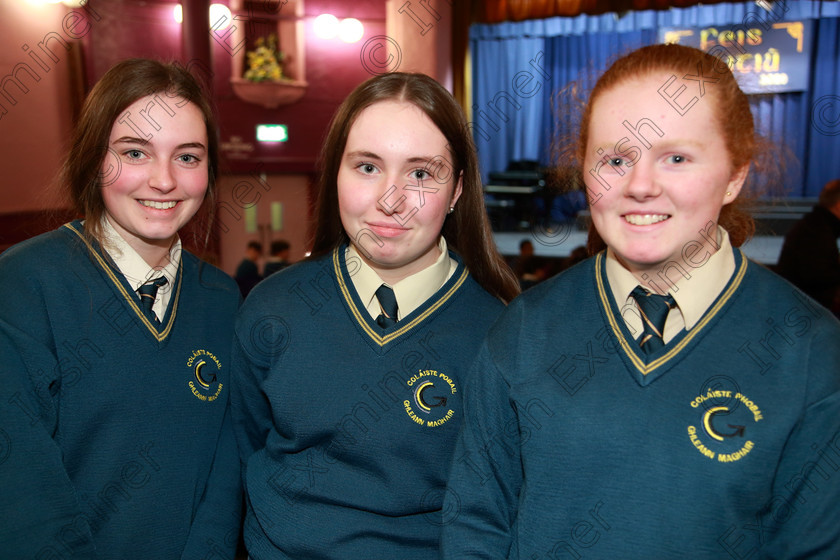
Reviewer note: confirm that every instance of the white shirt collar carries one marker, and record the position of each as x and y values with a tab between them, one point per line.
137	271
410	292
694	294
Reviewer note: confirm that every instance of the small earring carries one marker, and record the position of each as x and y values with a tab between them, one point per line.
728	193
451	209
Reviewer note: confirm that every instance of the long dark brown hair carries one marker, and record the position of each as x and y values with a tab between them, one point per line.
467	230
126	82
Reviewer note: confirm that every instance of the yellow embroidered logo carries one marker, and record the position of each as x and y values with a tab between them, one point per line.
204	369
432	392
725	425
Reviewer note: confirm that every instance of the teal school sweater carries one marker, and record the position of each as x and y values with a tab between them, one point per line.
346	430
725	445
117	438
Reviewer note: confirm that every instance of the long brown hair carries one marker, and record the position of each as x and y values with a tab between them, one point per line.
733	115
467	230
126	82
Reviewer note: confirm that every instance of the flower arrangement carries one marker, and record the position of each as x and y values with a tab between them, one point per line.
265	62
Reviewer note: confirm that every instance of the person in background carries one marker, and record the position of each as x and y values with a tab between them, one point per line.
116	343
810	258
666	397
527	266
350	366
248	273
279	258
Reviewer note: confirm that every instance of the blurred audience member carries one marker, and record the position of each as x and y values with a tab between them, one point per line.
810	258
527	266
247	273
279	258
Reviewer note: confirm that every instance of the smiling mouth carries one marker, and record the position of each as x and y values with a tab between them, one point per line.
645	219
158	205
387	230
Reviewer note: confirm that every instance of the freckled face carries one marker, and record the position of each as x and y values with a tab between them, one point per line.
154	181
395	186
648	203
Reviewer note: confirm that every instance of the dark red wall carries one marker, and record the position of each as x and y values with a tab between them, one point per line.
129	28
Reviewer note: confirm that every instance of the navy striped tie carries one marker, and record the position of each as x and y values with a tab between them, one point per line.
653	309
148	293
388	305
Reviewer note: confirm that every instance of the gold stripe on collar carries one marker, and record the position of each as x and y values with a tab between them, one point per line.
631	350
359	315
128	297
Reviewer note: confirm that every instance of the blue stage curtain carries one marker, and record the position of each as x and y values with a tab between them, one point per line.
512	122
821	111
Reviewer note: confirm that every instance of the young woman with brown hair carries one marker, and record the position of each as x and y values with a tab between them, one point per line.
349	366
116	342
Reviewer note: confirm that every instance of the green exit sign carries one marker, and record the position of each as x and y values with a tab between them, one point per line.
272	133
